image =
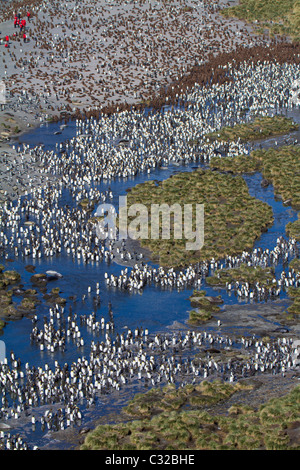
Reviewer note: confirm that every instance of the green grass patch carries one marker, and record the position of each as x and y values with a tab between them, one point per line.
206	306
260	128
238	164
279	166
295	264
294	295
191	427
242	274
293	229
279	17
233	219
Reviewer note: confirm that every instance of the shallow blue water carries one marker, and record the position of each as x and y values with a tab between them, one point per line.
154	308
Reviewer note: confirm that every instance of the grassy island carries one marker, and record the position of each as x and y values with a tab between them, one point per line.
233	219
293	229
294	295
243	274
205	306
260	128
170	419
279	166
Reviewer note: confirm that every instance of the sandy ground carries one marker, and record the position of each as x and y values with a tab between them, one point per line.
103	53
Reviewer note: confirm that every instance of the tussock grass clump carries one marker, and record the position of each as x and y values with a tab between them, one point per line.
87	205
269	427
205	305
233	219
7	278
27	304
294	295
295	264
242	274
260	128
293	229
11	276
279	166
260	10
239	164
171	399
280	17
199	316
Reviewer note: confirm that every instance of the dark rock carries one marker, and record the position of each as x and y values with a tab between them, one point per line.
39	280
265	183
30	268
281	329
213	351
215	300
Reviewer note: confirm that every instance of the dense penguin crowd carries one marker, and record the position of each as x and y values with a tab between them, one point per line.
38	225
128	358
192	276
77	57
154	140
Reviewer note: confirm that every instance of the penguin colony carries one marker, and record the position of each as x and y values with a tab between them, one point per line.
117	360
79	165
192	276
81	57
155	140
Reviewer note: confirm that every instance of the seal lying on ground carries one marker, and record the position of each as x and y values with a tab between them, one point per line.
53	275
